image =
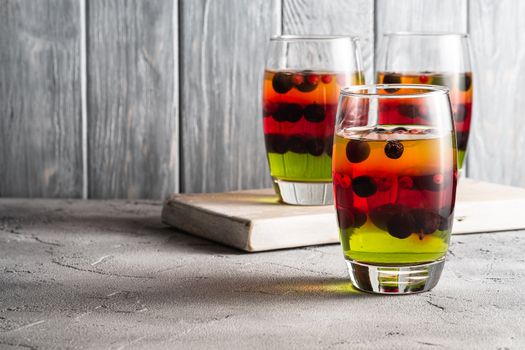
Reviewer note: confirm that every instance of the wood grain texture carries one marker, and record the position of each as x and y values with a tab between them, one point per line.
497	143
223	51
417	15
333	17
40	121
132	98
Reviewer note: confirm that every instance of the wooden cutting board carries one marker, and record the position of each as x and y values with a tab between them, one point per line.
254	221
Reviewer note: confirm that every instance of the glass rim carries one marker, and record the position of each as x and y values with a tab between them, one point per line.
314	37
406	33
356	90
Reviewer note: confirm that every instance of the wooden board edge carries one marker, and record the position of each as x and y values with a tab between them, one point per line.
231	228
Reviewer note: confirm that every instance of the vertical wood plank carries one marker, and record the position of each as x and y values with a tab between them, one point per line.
132	98
40	122
497	146
334	17
417	15
223	51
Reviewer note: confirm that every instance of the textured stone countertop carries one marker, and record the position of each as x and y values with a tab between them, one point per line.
108	275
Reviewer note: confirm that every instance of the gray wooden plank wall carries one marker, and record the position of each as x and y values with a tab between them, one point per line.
223	45
40	118
132	98
333	17
127	134
497	146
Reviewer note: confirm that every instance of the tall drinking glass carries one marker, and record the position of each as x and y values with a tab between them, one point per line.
394	185
301	86
432	58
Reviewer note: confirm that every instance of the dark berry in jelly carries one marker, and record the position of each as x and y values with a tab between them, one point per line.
357	151
290	112
364	186
359	217
464	82
276	143
345	218
401	225
315	146
309	84
394	149
460	113
314	113
392	78
408	110
382	214
282	82
461	139
426	221
297	144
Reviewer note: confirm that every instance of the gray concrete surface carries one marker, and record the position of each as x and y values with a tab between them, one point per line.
109	275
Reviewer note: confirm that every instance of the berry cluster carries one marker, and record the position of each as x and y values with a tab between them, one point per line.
278	143
305	81
399	220
292	112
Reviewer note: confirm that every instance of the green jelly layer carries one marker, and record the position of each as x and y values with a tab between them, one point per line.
292	166
461	158
369	244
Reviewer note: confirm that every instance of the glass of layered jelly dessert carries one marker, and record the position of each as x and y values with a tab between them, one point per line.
394	183
302	79
436	59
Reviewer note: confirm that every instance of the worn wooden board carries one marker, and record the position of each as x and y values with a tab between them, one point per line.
333	17
497	143
223	51
254	220
40	119
132	98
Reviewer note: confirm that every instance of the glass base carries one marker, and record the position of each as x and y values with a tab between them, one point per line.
304	193
401	279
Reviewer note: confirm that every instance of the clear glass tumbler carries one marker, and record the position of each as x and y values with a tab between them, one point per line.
432	58
301	86
394	185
